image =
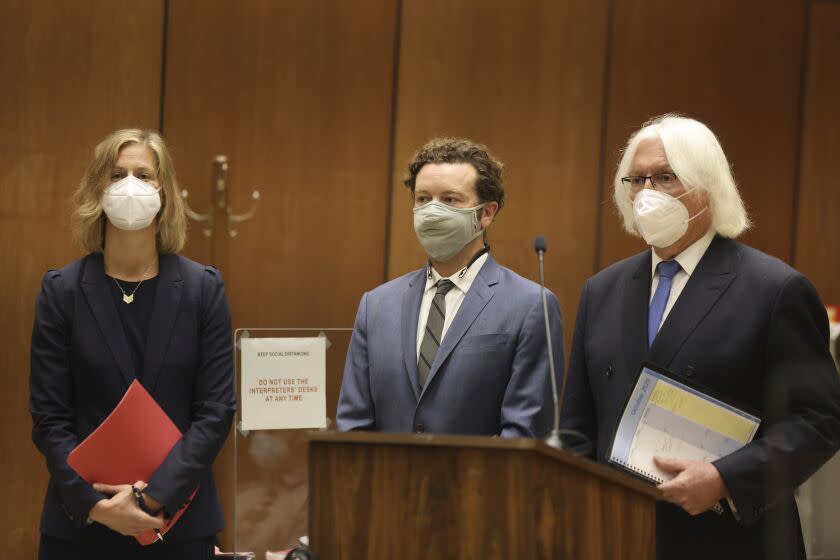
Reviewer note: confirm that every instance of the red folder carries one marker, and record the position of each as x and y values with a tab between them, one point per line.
129	445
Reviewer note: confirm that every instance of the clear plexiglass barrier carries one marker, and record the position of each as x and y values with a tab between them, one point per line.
270	470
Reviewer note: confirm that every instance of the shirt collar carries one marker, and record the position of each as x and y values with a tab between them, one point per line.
690	256
466	279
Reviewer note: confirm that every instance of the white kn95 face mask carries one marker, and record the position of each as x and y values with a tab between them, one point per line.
131	204
661	219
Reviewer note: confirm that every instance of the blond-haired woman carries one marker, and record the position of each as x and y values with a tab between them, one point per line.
131	309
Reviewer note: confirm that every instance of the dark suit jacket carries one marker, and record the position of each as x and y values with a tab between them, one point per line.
748	326
81	367
490	376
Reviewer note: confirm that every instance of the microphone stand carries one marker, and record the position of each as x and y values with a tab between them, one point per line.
553	440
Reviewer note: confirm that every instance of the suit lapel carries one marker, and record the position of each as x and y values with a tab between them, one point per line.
98	295
634	317
479	294
410	312
164	313
709	281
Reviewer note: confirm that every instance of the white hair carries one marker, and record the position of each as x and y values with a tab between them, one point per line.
697	158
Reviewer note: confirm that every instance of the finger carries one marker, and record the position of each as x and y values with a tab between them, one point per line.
109	489
146	521
674	488
666	486
140	485
675	496
139	522
670	490
671	464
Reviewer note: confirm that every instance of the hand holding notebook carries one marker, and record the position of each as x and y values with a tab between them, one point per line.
696	487
667	418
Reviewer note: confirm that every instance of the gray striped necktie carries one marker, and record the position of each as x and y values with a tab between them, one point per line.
434	328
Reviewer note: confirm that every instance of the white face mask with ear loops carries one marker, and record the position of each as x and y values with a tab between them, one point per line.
131	204
661	219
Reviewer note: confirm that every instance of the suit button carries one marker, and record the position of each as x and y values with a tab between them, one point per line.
689	371
419	428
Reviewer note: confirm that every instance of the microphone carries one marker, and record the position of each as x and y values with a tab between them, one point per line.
553	440
585	445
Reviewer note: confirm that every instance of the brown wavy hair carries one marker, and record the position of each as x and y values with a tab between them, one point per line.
489	185
88	219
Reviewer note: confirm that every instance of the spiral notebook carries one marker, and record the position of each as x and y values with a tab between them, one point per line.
666	417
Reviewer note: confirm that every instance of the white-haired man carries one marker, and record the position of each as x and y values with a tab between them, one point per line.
729	317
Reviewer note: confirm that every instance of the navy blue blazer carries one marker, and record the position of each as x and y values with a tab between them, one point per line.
490	376
81	367
748	326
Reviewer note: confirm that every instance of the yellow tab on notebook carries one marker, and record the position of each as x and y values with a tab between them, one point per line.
702	412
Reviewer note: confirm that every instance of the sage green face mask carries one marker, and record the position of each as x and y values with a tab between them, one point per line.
444	230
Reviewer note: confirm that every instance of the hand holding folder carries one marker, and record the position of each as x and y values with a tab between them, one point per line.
670	432
129	446
122	511
696	487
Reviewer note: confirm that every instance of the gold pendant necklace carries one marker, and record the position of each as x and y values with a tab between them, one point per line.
128	298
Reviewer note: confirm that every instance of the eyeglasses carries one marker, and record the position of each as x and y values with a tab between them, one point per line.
660	181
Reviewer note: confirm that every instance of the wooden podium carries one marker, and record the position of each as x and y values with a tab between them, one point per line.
376	496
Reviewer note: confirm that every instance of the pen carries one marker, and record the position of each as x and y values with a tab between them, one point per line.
141	503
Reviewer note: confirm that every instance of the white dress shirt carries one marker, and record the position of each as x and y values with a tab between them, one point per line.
688	259
462	279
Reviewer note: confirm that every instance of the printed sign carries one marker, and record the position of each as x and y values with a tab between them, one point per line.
283	383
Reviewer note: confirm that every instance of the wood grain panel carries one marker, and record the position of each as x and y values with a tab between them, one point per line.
412	497
298	96
563	497
526	80
72	73
733	65
818	223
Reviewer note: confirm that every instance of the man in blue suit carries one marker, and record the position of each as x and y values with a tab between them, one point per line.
735	320
458	346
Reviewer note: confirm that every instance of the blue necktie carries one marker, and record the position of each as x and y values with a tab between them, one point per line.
666	269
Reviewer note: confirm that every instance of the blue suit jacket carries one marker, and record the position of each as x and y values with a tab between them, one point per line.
746	326
490	376
81	367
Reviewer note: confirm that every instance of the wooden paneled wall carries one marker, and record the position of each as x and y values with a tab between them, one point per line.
320	105
71	74
302	108
817	230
